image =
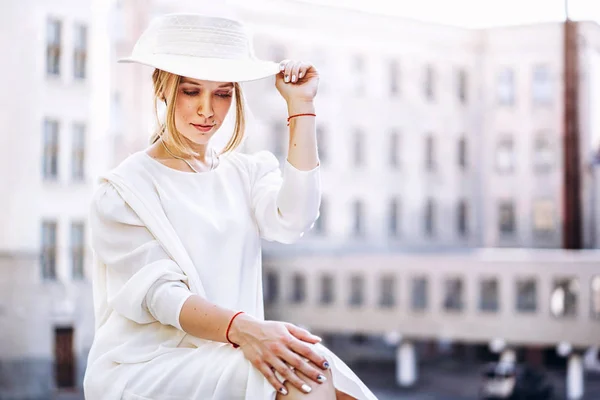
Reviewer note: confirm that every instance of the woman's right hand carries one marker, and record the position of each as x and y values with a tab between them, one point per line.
276	346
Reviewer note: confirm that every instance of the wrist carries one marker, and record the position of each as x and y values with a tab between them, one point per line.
300	107
239	325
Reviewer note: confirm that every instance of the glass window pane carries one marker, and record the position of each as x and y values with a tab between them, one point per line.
356	290
327	290
488	295
419	294
595	298
48	249
543	217
453	294
358	218
563	301
298	288
506	87
387	290
542	85
506	218
543	155
526	295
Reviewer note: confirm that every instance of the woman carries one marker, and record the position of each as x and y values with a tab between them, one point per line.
176	234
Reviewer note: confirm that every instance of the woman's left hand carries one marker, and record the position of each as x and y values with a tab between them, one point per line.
297	82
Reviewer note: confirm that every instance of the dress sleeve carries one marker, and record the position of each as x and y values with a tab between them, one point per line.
285	204
143	283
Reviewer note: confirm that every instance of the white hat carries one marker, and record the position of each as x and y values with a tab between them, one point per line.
200	47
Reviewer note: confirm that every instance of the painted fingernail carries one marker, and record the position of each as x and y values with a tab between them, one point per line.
306	388
321	378
326	365
293	78
283	391
300	75
281	67
287	78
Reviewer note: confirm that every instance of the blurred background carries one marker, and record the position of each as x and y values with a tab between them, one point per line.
460	151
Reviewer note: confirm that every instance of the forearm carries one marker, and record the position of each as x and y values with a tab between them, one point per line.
203	319
302	152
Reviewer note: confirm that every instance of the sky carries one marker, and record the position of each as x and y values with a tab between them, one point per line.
476	13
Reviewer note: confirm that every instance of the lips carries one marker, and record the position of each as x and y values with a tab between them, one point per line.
203	128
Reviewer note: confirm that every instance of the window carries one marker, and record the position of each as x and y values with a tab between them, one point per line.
429	84
488	295
506	87
543	155
394	77
320	223
50	161
322	143
462	219
419	293
279	139
394	149
462	153
358	218
541	85
462	85
430	217
543	217
505	156
430	153
526	295
53	46
563	301
595	298
453	294
506	218
48	250
394	217
358	72
298	288
359	148
77	250
271	287
387	297
357	291
78	153
326	289
80	53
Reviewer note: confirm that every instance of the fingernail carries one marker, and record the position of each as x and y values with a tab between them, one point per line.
287	78
283	391
293	78
321	378
301	74
318	338
326	365
306	388
281	67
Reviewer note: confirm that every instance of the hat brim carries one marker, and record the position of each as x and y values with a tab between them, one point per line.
209	69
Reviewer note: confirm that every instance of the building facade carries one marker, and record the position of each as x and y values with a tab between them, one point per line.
46	312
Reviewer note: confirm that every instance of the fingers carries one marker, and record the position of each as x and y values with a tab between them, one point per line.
293	71
287	374
303	334
270	375
301	364
308	353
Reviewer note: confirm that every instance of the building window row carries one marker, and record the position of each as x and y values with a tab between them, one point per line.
49	250
52	147
394	218
563	300
543	218
543	86
54	48
543	156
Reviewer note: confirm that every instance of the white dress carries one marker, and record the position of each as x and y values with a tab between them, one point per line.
218	218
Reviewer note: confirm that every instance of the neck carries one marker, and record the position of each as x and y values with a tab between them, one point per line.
202	151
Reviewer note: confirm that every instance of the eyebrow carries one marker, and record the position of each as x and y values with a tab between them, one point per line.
184	80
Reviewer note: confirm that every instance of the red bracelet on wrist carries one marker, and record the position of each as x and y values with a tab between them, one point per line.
229	326
299	115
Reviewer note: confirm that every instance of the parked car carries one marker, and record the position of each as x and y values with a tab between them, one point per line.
506	381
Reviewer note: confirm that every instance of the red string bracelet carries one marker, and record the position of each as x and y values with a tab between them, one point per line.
299	115
229	326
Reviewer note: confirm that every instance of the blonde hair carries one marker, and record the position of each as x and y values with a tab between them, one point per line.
166	87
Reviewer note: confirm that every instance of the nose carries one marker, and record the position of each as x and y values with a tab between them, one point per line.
205	107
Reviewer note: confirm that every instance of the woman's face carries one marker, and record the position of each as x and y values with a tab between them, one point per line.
201	108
